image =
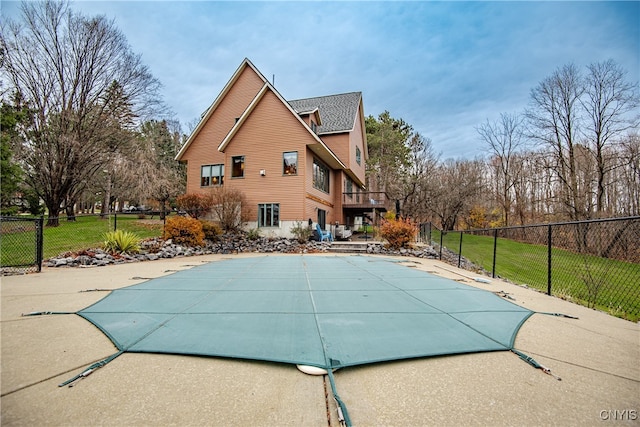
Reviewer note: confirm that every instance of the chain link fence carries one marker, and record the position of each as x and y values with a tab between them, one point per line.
22	251
21	245
595	263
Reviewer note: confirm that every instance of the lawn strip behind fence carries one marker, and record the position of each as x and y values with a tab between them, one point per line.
88	231
595	263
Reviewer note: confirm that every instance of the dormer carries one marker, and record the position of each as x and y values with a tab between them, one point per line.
311	118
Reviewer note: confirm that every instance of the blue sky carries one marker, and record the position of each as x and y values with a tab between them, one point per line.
443	67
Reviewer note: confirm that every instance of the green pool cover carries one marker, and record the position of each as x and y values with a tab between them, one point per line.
324	311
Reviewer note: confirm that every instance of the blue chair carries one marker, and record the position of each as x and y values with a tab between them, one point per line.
323	235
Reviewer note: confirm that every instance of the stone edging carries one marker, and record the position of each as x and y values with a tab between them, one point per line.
154	249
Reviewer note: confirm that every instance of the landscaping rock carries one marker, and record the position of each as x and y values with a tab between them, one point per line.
153	249
60	262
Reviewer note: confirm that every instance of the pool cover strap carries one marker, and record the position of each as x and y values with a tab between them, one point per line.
531	361
90	370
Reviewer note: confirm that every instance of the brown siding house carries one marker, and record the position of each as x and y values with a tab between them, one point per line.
293	160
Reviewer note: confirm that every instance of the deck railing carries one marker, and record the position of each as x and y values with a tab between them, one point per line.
365	200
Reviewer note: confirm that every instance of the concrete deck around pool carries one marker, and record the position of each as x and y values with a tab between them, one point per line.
597	357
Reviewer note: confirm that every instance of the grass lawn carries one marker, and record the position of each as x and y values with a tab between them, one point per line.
84	233
606	284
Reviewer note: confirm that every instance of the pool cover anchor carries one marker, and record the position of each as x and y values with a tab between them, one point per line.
44	313
504	294
531	361
91	369
567	316
475	279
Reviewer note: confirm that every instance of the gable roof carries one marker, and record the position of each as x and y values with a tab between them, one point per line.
319	147
335	114
338	112
209	111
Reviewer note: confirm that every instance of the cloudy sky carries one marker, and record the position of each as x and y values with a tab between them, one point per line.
443	67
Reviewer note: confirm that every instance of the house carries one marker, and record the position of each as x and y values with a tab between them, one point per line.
293	160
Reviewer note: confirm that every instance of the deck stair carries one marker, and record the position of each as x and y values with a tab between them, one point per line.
351	247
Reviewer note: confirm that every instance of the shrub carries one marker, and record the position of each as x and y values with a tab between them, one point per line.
302	231
253	234
398	233
211	230
184	231
9	211
194	204
229	207
121	241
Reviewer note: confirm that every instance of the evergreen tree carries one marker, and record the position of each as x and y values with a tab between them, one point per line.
389	153
12	117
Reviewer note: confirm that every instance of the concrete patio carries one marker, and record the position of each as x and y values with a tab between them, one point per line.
597	356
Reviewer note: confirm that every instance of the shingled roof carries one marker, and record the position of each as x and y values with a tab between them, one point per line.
337	112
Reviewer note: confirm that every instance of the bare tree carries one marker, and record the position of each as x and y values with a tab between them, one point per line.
555	119
610	104
422	163
630	175
505	138
453	189
63	65
525	187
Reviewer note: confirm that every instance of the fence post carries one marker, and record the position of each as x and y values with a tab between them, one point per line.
115	221
164	221
39	242
549	259
495	244
441	234
460	251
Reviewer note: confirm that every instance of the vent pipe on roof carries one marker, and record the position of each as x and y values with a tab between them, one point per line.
273	80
